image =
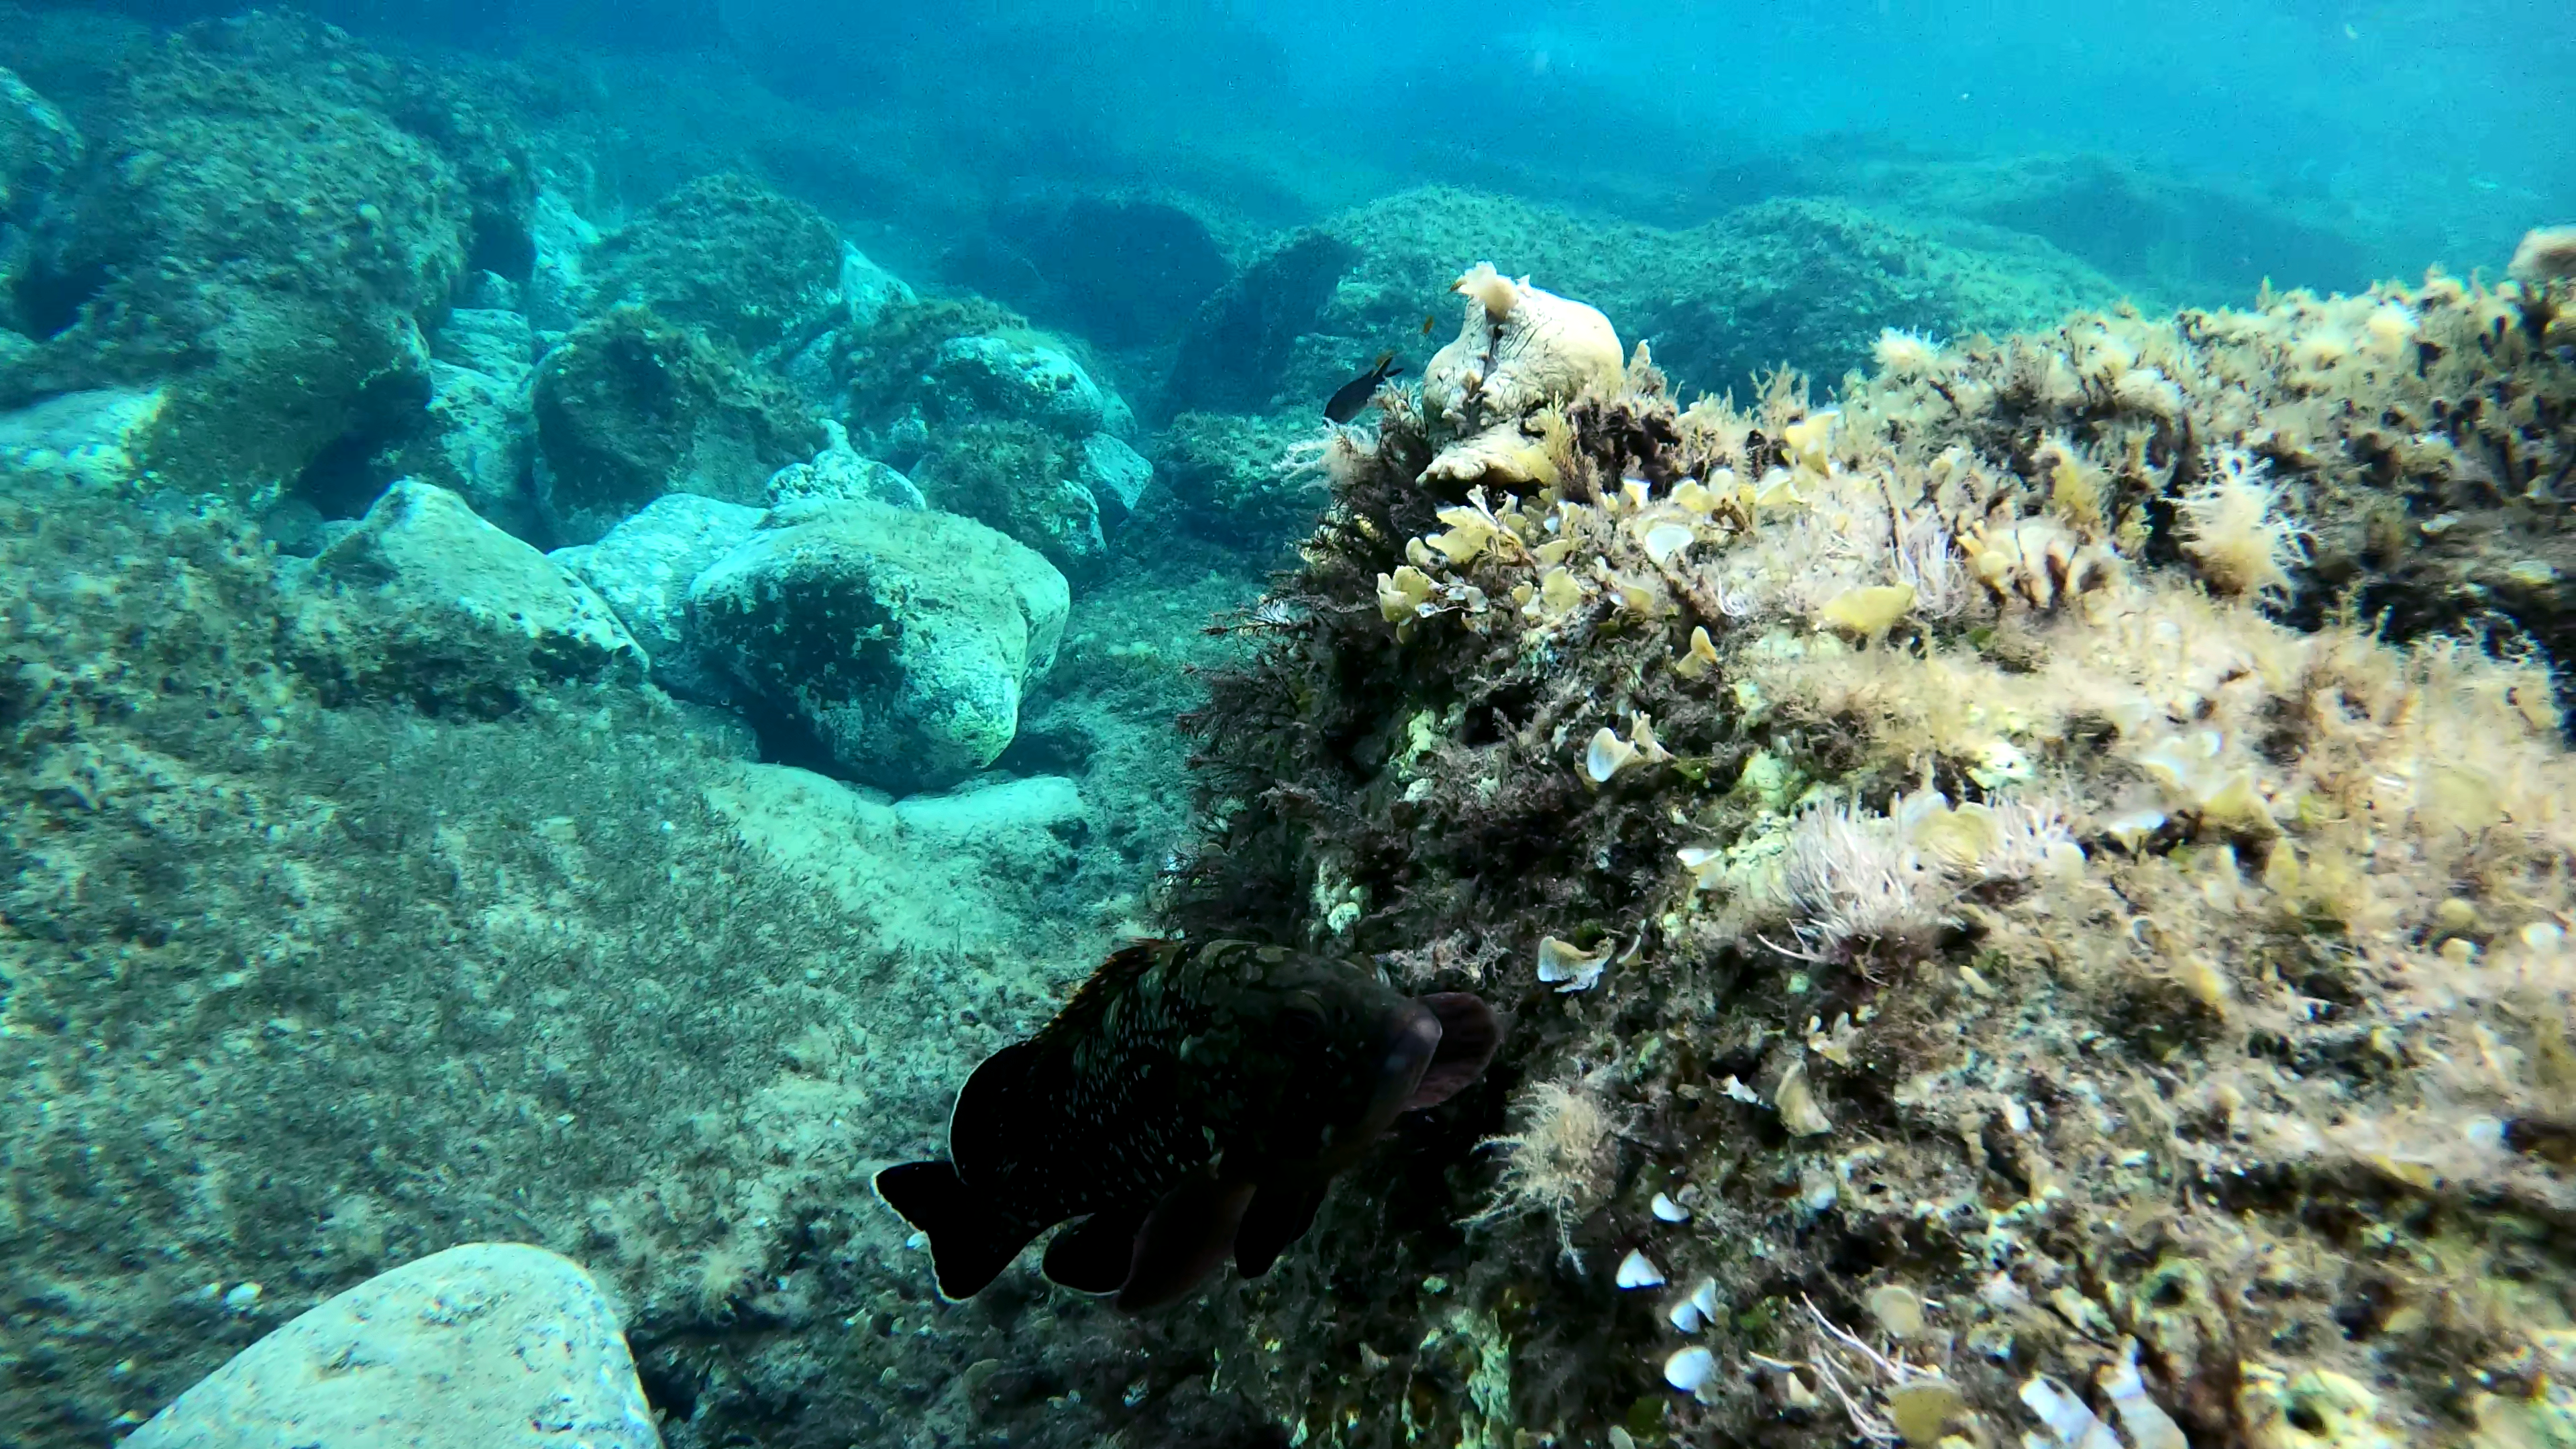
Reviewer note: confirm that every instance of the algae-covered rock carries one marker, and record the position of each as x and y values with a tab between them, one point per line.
631	407
484	1346
424	601
902	639
1007	379
644	566
756	270
1913	844
1025	481
1228	479
256	232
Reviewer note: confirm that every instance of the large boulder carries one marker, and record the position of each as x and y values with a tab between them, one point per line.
484	1346
1023	480
644	567
1020	379
902	639
426	602
756	270
1227	479
257	231
632	406
38	147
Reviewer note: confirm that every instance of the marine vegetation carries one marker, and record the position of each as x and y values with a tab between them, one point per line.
1190	1104
2003	938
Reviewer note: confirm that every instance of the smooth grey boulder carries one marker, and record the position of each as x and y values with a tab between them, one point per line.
902	639
426	601
643	567
484	1346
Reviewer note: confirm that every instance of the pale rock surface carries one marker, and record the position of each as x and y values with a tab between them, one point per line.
644	566
78	437
902	639
1115	473
493	341
1024	381
484	1346
558	285
841	471
427	601
929	870
478	441
1519	349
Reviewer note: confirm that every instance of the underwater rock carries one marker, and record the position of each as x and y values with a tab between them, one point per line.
902	639
1125	271
997	379
868	290
1226	479
631	407
1115	474
558	281
82	437
755	270
1919	769
435	605
478	441
1241	352
644	566
263	268
493	341
1025	481
840	471
483	1346
38	147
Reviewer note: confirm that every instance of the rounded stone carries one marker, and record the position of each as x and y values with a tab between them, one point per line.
903	639
484	1346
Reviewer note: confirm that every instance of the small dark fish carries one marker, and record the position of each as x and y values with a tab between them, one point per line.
1429	321
1355	394
1190	1104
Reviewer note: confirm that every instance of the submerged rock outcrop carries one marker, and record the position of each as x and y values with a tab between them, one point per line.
1981	967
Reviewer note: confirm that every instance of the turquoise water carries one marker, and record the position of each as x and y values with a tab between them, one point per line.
601	602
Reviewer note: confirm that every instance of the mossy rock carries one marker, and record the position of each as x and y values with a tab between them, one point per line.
903	639
631	407
1023	480
257	233
881	367
1224	479
724	253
